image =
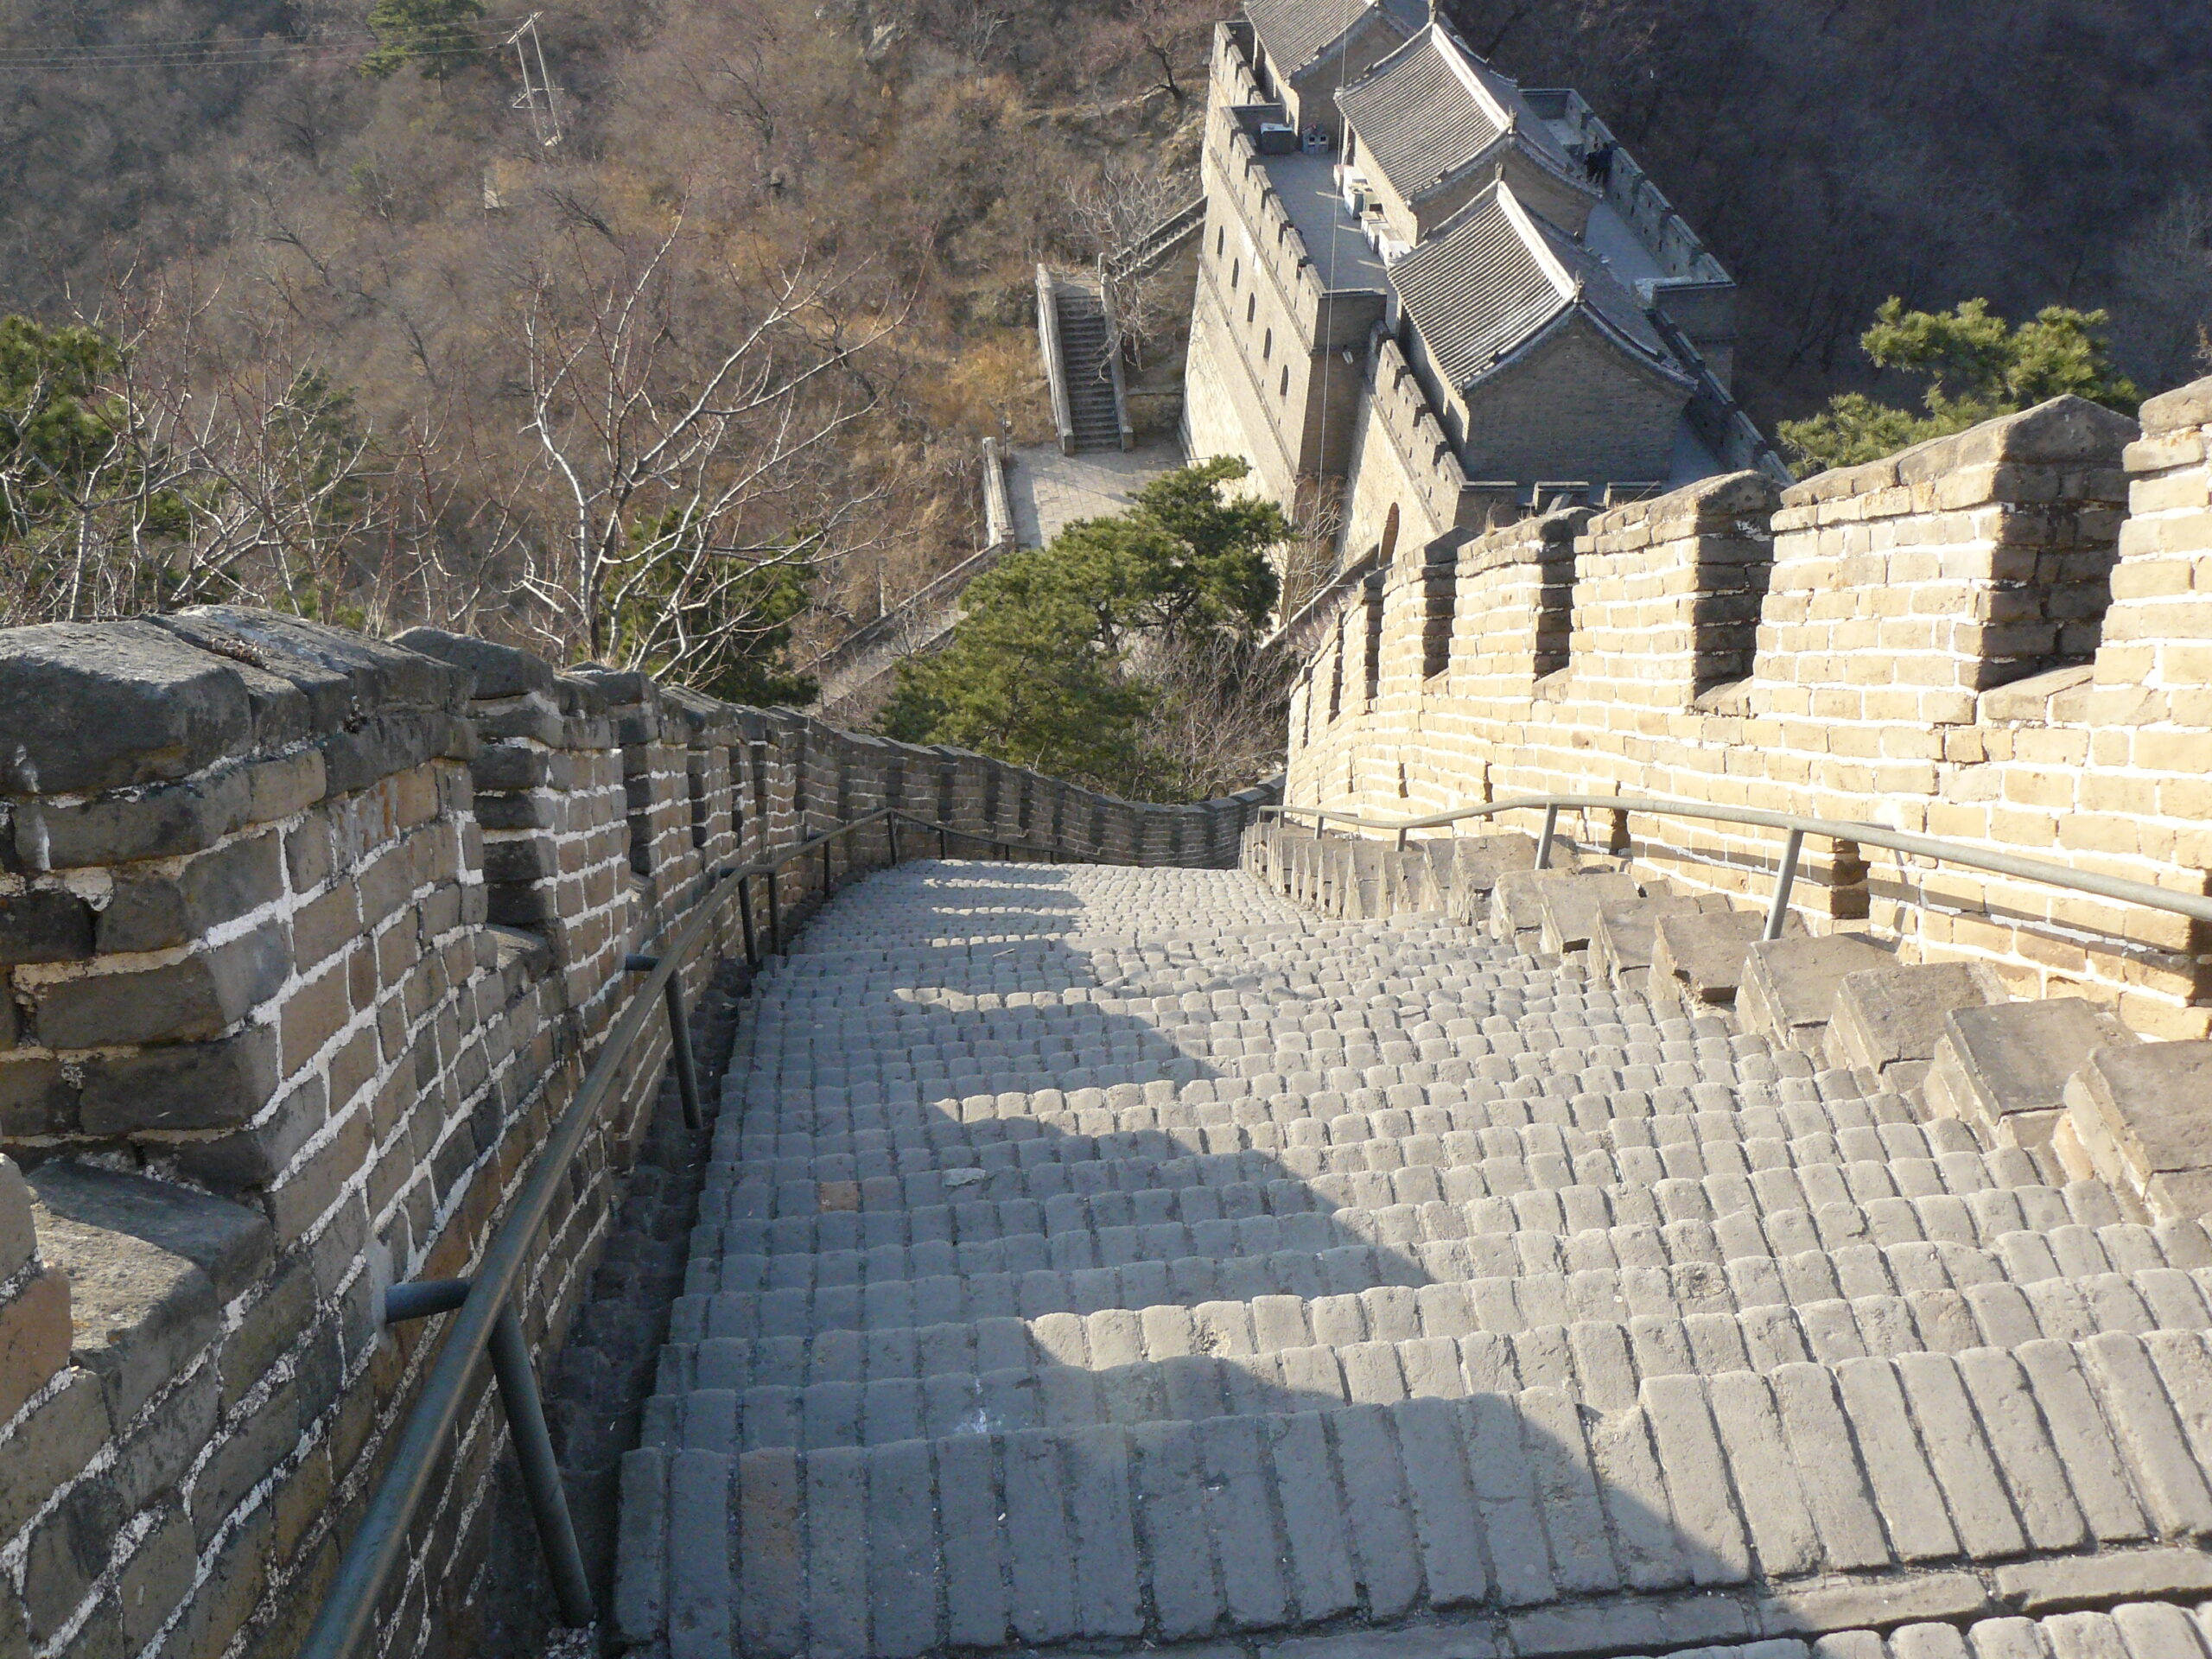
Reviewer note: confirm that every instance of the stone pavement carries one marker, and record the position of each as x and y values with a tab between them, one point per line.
1095	1257
1048	489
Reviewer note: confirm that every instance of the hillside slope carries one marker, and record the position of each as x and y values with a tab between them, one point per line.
256	207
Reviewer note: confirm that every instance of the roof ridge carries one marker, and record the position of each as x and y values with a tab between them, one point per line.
1524	222
1461	59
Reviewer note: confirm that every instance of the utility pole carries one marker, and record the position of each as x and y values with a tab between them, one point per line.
537	87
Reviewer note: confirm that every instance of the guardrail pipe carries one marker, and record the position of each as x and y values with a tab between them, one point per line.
2197	906
541	1474
1544	842
687	1069
1777	913
423	1299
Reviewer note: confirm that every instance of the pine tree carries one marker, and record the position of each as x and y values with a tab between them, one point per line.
1048	667
1978	368
439	34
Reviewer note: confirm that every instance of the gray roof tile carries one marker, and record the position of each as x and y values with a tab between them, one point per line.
1431	107
1296	32
1497	276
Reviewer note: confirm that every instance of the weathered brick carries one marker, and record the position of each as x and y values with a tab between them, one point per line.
44	925
186	1002
180	1086
150	911
35	1334
36	1098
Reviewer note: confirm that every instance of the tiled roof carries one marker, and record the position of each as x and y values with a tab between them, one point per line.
1496	276
1296	32
1431	107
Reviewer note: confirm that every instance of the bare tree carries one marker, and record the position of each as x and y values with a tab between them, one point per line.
1133	196
206	470
1217	721
676	476
2168	264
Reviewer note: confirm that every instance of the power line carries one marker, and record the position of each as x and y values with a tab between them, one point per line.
204	53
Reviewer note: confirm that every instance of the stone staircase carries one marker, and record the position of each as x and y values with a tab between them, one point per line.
1095	1257
1085	341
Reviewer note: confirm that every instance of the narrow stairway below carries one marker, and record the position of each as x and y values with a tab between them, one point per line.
1099	1257
1085	342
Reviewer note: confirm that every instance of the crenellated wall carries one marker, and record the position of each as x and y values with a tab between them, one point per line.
306	940
2003	637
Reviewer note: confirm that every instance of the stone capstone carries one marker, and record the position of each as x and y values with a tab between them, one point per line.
2006	1066
2135	1116
149	1267
112	705
1790	985
496	671
1888	1021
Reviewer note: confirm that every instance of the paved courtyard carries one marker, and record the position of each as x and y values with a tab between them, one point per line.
1049	490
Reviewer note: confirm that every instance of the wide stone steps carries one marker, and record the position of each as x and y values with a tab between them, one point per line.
742	1298
1370	1288
1421	1200
1225	1358
1175	1530
1296	1252
1332	1138
813	1120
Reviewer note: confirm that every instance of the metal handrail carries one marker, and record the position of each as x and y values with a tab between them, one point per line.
480	1313
2195	905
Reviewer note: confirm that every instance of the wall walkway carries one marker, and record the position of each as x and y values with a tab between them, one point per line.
306	939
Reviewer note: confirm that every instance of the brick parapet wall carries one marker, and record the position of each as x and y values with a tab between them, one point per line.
1666	605
1423	450
306	940
1911	668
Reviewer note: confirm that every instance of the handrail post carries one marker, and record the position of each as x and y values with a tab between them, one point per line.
687	1071
541	1474
1544	842
745	920
827	879
1777	913
943	842
891	833
1402	838
775	917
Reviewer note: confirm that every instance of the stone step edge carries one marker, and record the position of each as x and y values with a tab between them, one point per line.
1543	1513
726	1177
2006	1170
1725	1623
1306	926
1590	1345
1458	1074
1710	1194
1738	1235
1232	1136
1741	1285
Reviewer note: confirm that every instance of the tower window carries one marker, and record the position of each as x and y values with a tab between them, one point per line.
1268	346
1251	308
1235	267
1283	390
